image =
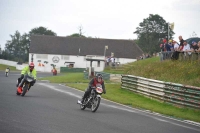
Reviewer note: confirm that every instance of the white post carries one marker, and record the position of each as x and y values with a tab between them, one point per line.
106	47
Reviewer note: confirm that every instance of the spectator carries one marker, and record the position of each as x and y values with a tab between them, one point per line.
113	61
194	46
186	48
175	47
198	50
107	61
171	46
167	46
181	43
161	47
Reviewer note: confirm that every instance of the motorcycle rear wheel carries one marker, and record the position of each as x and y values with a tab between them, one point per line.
95	104
24	90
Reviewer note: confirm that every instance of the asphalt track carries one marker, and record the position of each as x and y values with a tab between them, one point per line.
52	108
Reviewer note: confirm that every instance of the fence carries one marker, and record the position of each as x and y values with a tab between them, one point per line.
181	56
178	94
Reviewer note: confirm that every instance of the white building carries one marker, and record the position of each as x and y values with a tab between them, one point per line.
49	51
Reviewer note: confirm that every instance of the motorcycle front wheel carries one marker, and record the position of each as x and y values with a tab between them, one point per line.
83	106
25	89
95	104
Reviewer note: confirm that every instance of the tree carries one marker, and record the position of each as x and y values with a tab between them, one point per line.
15	49
76	35
151	31
42	31
80	34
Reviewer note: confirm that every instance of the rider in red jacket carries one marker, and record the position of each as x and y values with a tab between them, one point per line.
97	80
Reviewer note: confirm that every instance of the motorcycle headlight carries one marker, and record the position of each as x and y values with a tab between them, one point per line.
99	90
29	79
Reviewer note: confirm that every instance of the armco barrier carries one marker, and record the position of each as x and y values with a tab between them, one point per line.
178	94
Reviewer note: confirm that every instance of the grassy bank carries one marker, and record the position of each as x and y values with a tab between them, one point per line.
183	72
3	67
115	93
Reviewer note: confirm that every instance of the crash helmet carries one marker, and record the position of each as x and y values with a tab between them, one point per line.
31	66
98	75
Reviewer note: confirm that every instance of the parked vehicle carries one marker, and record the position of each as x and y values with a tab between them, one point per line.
93	100
27	82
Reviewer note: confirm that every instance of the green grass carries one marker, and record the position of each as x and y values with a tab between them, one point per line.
3	67
183	72
67	78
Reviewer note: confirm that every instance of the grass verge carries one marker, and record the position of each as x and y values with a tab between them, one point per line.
3	67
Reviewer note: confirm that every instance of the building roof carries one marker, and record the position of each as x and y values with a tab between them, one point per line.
42	44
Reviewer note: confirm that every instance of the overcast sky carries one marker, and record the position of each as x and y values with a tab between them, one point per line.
113	19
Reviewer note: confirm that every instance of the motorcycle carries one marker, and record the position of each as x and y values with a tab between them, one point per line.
93	100
6	72
27	82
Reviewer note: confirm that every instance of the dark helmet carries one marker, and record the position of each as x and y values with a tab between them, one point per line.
98	75
31	66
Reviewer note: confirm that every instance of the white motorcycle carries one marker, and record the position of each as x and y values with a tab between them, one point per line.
93	100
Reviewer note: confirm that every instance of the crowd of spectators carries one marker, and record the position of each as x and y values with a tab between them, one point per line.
181	46
110	60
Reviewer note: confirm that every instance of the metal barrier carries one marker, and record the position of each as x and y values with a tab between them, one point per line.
178	94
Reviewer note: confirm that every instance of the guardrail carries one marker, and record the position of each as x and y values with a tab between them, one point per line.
177	94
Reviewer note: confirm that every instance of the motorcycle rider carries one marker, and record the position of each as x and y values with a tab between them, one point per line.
27	70
97	80
7	69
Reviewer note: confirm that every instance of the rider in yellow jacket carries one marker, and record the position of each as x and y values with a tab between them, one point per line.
27	70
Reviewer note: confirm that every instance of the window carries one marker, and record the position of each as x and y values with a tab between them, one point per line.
41	56
64	57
